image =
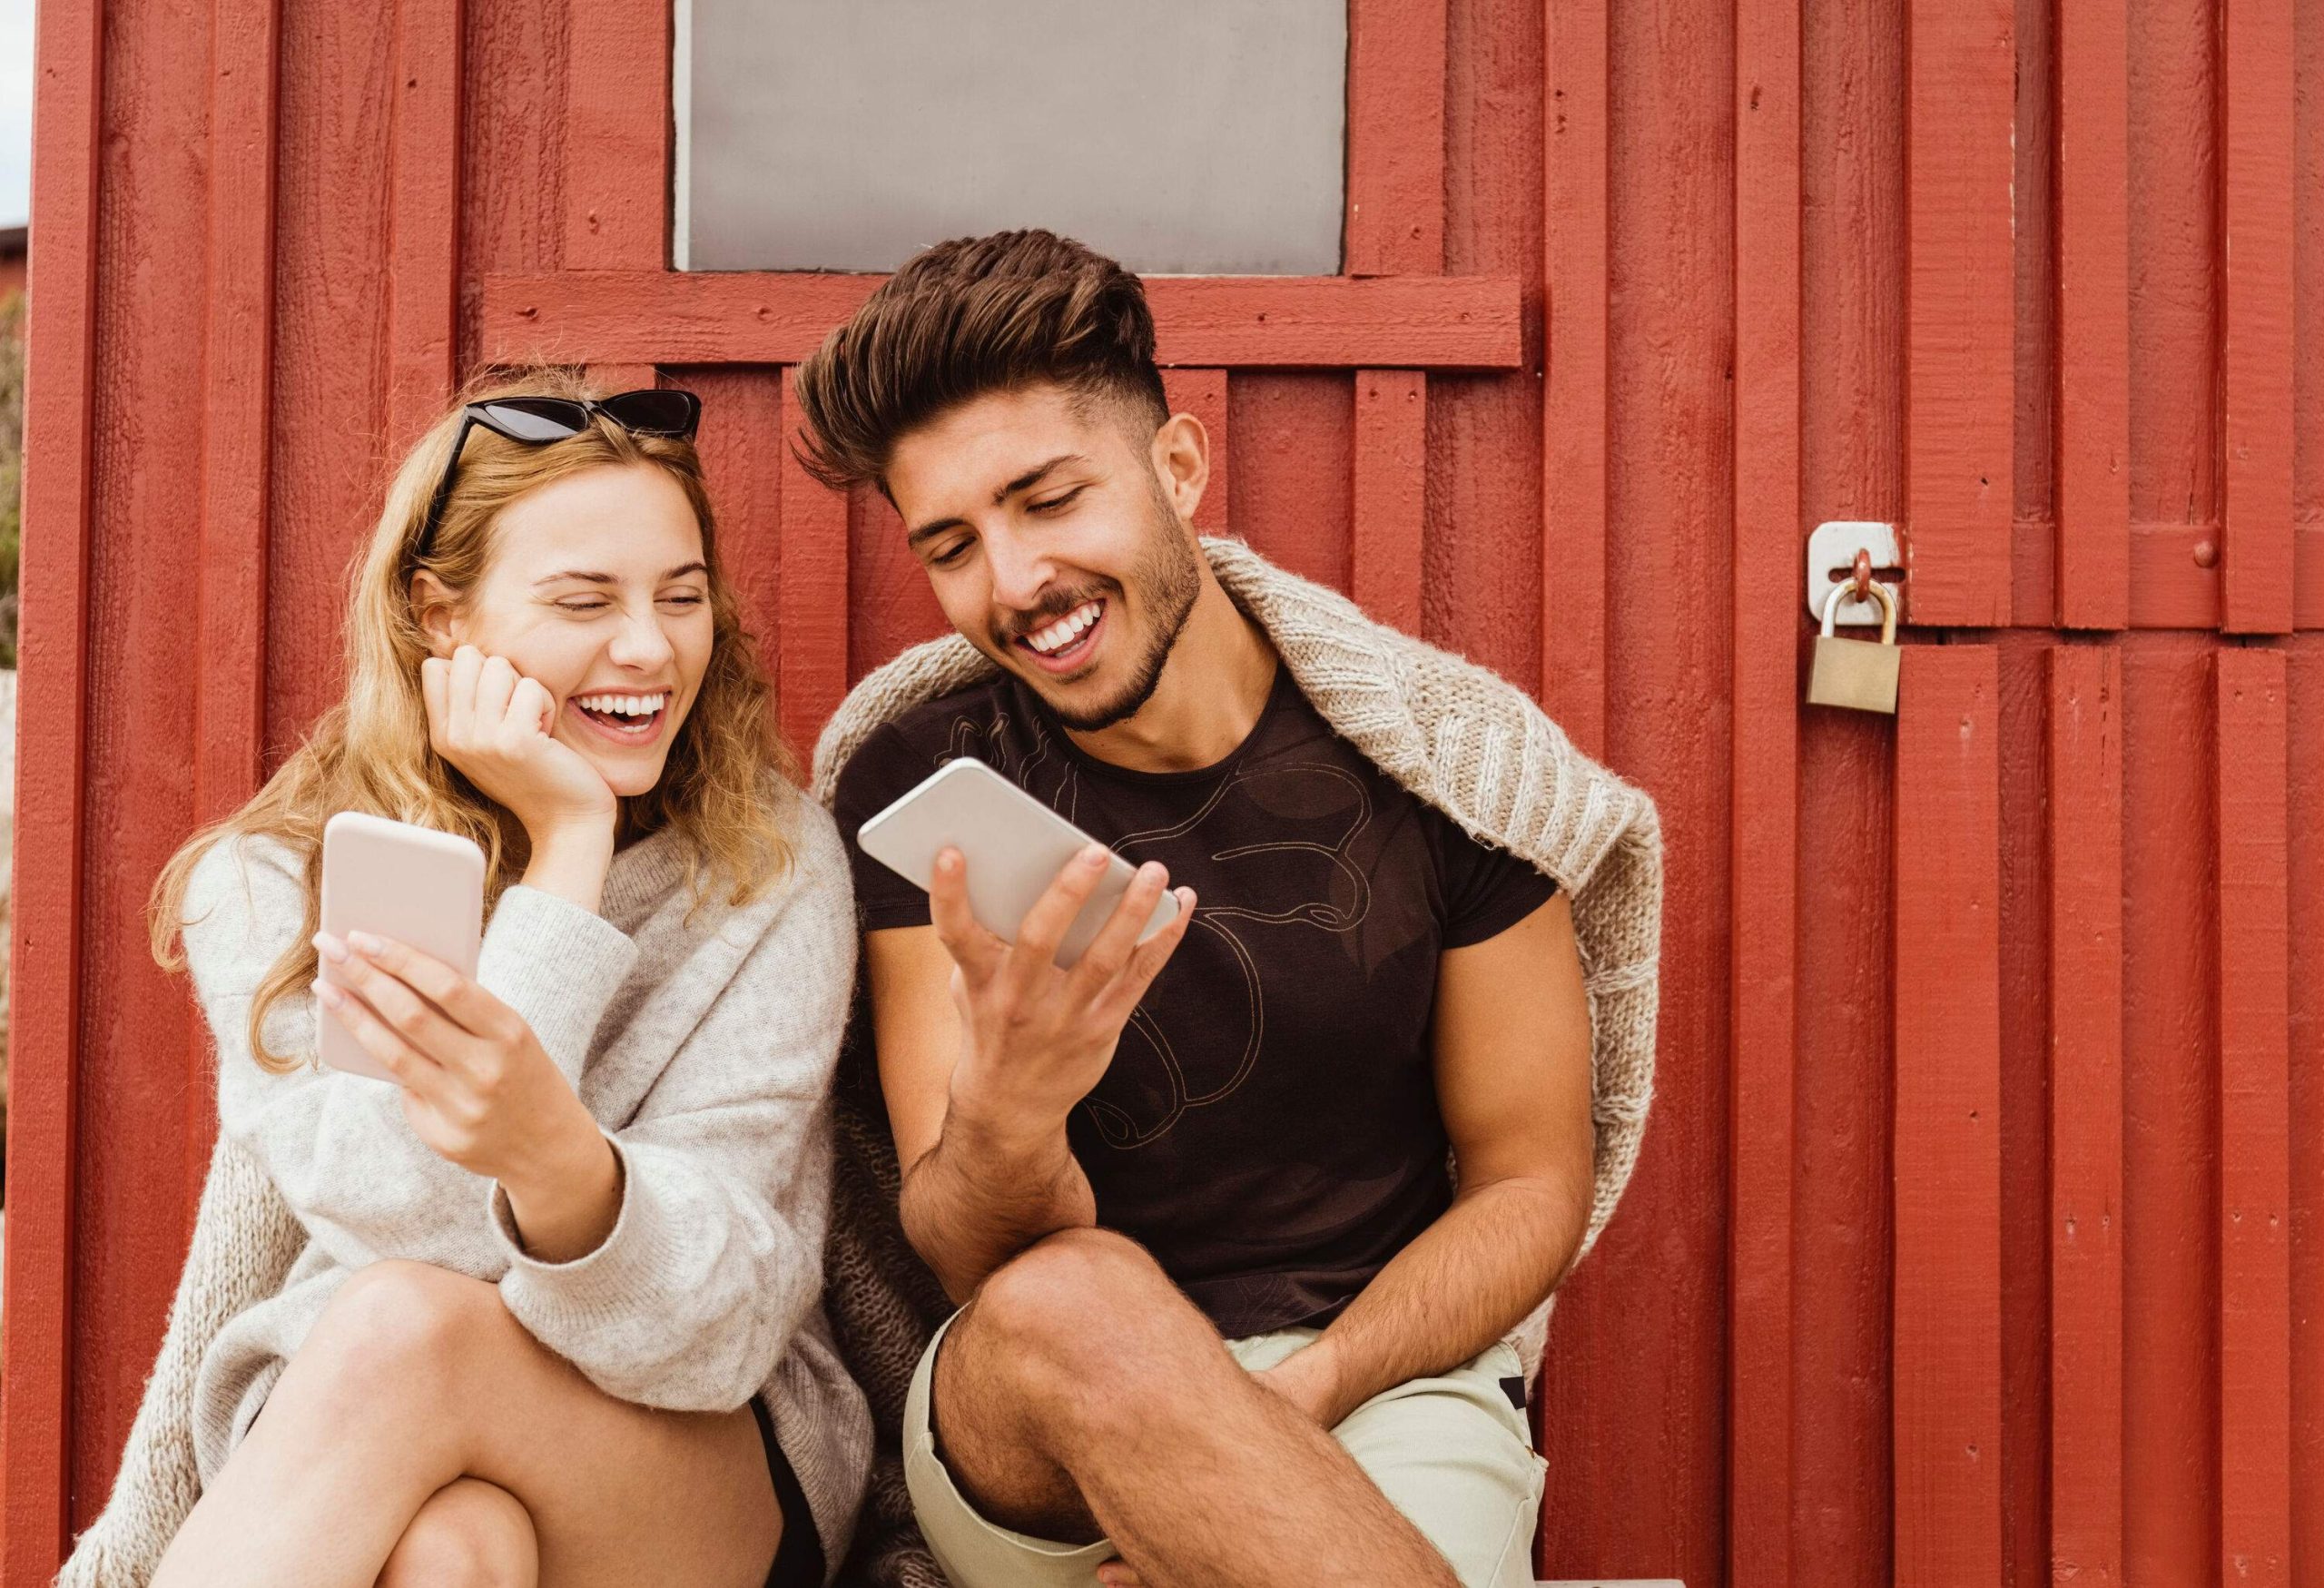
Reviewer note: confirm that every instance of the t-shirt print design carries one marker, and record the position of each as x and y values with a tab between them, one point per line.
1334	896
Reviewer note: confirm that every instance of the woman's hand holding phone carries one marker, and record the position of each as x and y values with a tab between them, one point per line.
1036	1037
479	1089
498	727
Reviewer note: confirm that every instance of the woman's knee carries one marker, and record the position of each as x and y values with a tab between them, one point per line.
469	1534
410	1325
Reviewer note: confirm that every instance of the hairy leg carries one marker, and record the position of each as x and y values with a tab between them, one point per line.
1081	1394
415	1378
468	1535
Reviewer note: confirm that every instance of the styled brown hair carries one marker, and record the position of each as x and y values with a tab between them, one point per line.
969	317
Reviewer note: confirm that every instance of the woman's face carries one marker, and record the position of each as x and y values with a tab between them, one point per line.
598	590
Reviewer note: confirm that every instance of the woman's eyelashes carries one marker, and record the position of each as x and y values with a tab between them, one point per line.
590	608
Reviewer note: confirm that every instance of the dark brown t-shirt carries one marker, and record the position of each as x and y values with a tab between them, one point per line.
1268	1127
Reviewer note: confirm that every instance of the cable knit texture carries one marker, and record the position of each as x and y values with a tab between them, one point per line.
701	1038
1462	738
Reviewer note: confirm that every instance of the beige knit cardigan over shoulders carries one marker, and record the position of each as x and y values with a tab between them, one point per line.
1462	739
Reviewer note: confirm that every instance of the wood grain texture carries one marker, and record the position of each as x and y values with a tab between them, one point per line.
812	618
1464	322
2084	840
2254	1148
39	1366
617	137
1763	941
1391	450
1958	275
1947	1284
424	206
1395	138
238	394
1574	440
2094	316
2256	372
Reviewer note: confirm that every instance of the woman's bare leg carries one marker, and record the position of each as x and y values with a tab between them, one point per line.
468	1535
415	1378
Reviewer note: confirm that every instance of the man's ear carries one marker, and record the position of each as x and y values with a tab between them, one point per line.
1182	461
437	612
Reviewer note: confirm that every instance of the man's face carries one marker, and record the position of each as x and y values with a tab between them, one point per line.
1051	529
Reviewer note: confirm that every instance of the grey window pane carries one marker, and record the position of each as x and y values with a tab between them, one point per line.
1181	136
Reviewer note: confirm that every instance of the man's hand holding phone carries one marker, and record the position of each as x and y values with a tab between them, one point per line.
1037	1036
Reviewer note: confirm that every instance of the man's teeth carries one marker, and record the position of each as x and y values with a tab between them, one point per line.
622	705
1065	630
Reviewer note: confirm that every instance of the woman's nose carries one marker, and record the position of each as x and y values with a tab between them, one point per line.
641	643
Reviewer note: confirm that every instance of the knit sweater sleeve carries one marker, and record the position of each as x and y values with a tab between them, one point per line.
716	1254
337	1146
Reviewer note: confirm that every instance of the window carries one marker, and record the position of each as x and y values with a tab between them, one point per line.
1181	136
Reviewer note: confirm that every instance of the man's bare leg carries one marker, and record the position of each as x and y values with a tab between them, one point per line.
1080	1396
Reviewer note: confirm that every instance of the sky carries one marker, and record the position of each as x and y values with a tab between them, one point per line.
16	111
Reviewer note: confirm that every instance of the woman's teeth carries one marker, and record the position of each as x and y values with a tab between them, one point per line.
1061	634
622	704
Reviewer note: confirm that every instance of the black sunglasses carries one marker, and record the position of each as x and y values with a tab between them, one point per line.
536	421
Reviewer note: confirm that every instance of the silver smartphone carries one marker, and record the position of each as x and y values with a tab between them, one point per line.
392	878
1014	844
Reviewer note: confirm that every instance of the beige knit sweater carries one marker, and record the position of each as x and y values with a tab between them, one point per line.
1462	739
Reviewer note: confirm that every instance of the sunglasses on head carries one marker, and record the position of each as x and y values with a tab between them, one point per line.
536	421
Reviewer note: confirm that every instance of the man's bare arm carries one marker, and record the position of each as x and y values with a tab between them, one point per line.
1512	1055
984	1048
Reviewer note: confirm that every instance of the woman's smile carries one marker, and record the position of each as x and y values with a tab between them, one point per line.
629	719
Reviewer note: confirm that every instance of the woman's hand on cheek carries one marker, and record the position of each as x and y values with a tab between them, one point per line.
497	726
478	1086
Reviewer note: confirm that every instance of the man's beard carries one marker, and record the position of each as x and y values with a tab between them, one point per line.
1167	578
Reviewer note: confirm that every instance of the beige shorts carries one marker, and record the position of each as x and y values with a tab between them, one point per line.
1452	1453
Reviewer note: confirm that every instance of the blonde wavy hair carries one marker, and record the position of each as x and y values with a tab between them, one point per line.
728	786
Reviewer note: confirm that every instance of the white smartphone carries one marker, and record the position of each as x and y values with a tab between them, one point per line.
1014	844
394	880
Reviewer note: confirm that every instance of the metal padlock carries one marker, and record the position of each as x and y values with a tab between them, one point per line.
1857	674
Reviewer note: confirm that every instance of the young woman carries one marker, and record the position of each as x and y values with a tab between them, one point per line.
556	1319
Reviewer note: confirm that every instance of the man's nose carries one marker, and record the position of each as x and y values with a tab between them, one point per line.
1019	573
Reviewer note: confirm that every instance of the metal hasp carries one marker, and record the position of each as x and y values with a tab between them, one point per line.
1832	551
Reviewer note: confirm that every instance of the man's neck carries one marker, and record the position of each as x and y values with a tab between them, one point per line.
1212	690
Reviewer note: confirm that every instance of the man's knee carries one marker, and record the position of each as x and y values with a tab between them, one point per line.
469	1534
1089	1309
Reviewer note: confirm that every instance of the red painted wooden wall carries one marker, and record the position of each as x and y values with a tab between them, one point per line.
1977	1239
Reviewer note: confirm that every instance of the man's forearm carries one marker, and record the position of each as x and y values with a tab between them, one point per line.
980	1196
1469	1278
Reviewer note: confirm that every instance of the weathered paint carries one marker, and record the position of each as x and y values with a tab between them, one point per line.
1644	292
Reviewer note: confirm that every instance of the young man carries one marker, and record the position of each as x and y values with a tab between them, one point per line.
1225	1316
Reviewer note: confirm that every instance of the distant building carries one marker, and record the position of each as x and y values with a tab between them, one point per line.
12	259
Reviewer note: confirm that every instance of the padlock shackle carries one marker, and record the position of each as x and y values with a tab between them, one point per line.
1880	592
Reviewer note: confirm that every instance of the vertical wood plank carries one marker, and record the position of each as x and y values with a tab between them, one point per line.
1395	137
1391	493
37	1366
618	141
237	395
1573	404
2084	771
2254	1156
424	214
1947	1319
1203	393
2093	315
617	135
1763	842
810	640
2256	215
1958	388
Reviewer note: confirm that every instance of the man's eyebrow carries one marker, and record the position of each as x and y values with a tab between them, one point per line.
1025	481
